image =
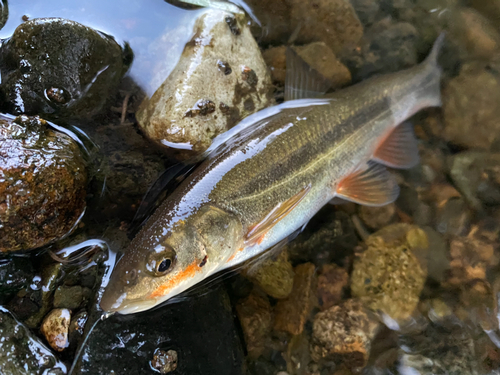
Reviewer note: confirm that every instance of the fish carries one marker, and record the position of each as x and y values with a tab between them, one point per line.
265	178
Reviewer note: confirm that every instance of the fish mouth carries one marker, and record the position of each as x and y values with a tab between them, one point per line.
136	306
124	307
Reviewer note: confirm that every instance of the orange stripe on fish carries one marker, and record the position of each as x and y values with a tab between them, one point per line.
189	272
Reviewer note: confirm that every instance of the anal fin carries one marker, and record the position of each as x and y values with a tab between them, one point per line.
372	185
399	149
257	233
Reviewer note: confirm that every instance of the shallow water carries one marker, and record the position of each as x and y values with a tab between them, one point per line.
452	327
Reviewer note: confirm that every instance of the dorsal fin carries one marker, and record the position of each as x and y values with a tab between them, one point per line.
301	80
371	185
399	149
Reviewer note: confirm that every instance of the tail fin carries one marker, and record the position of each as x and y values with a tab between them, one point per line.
432	72
432	58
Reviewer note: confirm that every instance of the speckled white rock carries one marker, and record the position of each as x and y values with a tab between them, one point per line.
55	328
220	78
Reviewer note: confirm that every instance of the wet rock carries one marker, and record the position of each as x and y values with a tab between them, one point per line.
475	33
55	328
367	10
343	333
454	217
167	118
328	237
435	257
60	68
470	258
69	297
469	106
42	184
477	176
292	313
15	274
201	330
332	282
488	8
377	217
387	276
21	352
275	19
164	361
273	276
275	58
438	349
297	355
76	327
389	47
333	22
321	58
41	297
255	315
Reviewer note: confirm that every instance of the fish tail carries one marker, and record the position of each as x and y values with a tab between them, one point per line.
432	58
432	73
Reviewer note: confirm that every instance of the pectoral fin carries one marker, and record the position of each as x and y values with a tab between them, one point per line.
399	149
372	185
257	233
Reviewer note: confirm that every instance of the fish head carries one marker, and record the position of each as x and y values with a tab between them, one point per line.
157	268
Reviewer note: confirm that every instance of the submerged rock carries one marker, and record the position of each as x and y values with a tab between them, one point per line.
331	21
292	313
332	283
22	353
275	58
275	19
321	58
438	349
273	276
255	316
55	328
343	333
377	217
387	275
477	176
388	47
60	68
200	330
202	97
42	184
470	106
475	34
15	274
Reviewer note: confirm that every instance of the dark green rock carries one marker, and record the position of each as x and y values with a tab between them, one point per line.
69	297
200	329
15	274
21	353
60	68
328	237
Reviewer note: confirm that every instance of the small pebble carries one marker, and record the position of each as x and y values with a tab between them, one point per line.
55	328
343	333
164	361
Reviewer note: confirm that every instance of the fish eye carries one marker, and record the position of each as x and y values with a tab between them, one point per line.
161	262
